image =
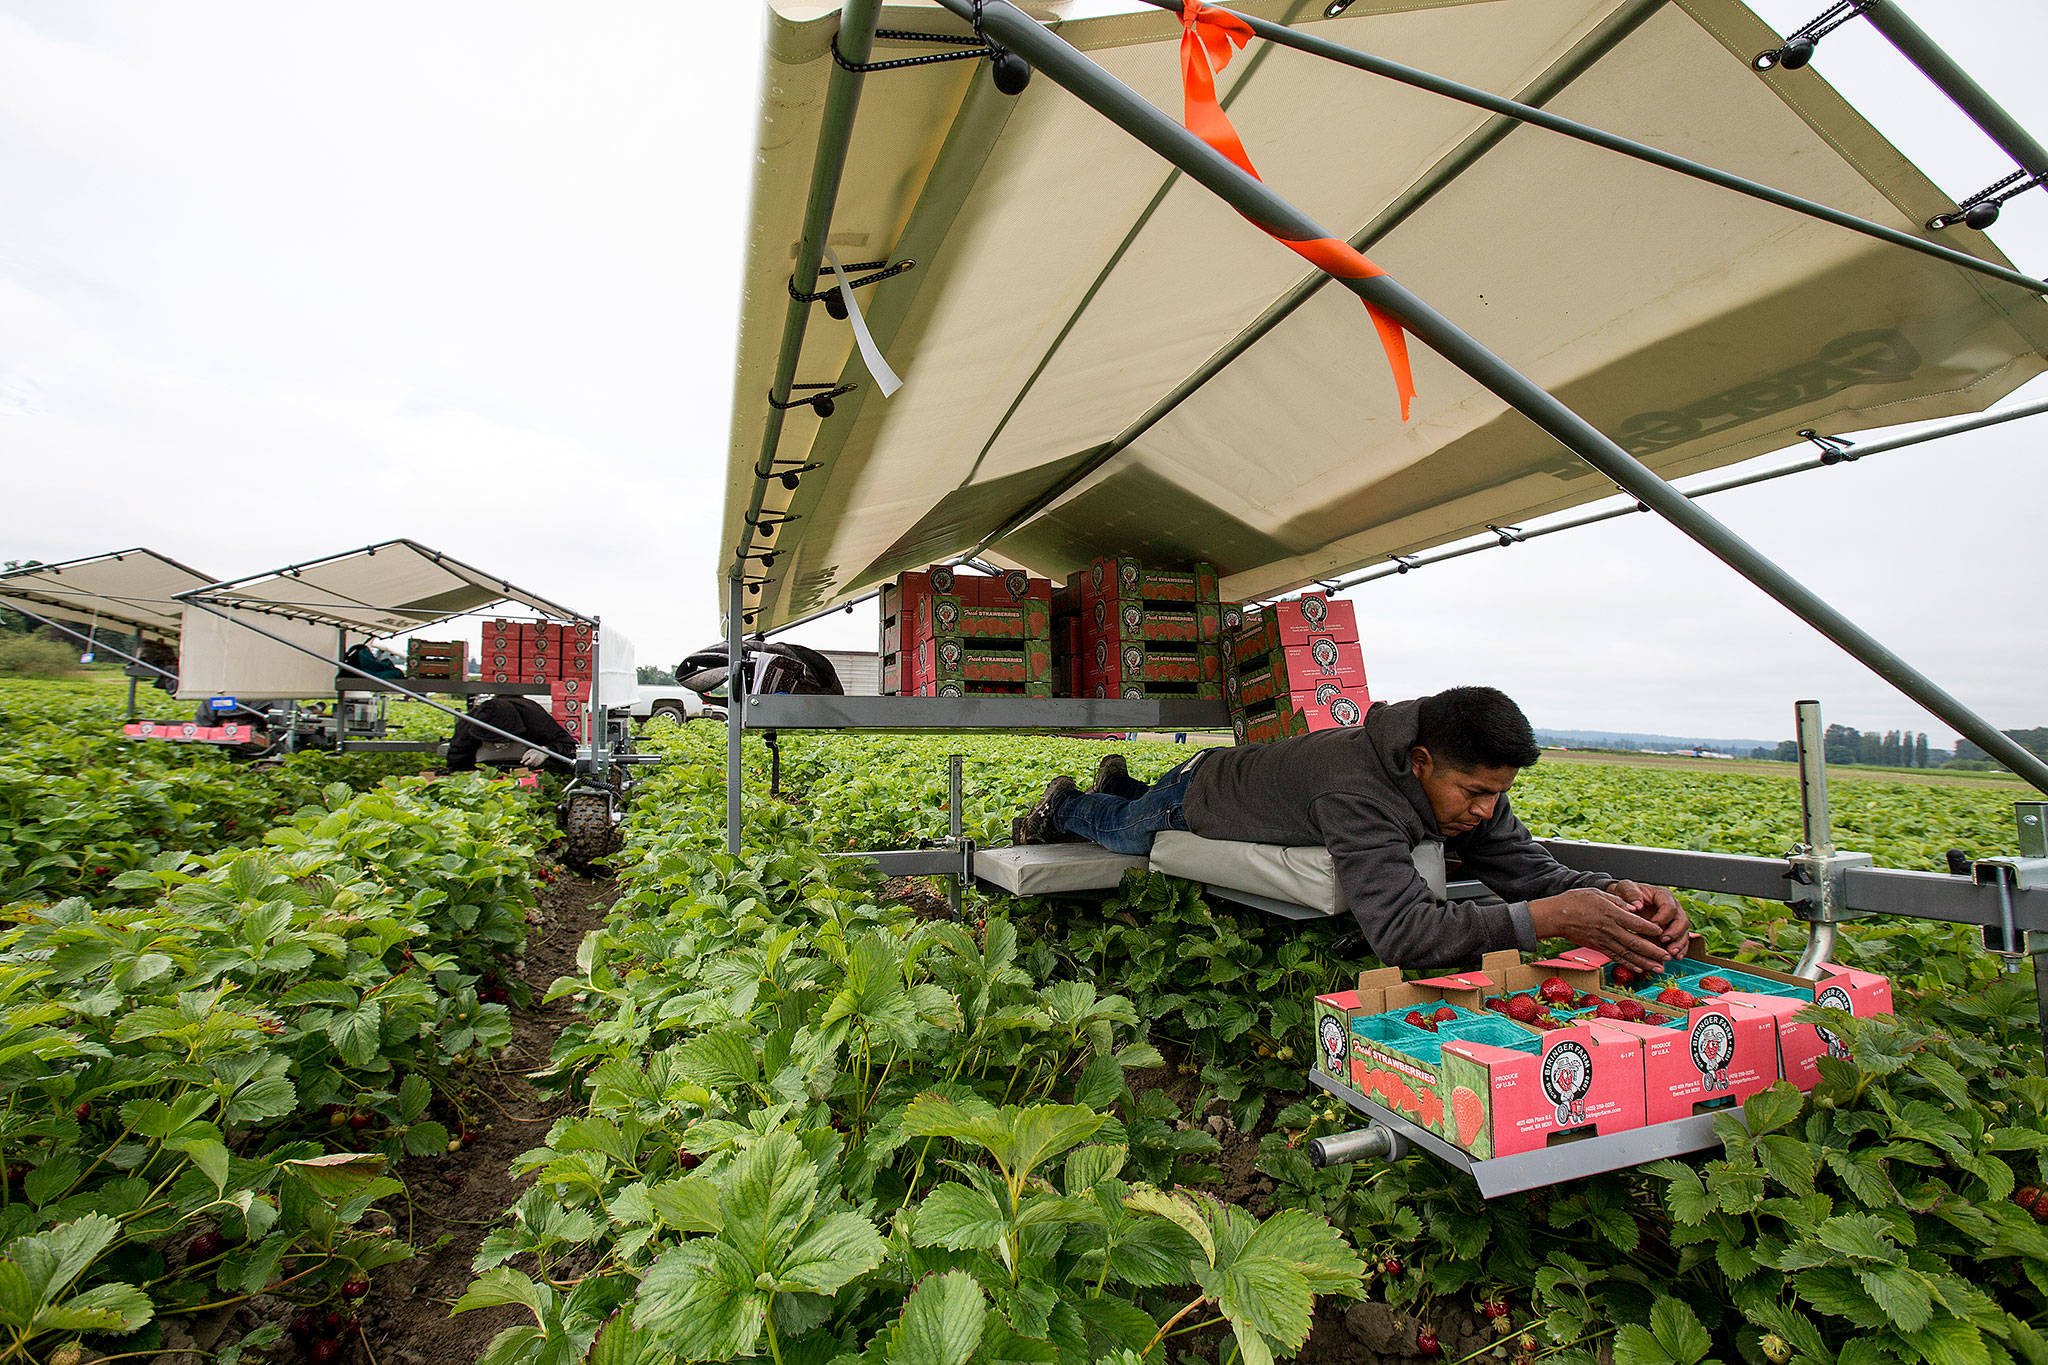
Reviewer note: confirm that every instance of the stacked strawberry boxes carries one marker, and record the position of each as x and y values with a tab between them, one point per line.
1518	1055
437	659
1294	667
561	657
1124	629
950	634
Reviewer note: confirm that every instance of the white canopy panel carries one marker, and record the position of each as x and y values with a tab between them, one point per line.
384	589
131	591
1067	281
228	655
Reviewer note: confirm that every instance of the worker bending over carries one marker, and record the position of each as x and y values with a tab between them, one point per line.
1389	799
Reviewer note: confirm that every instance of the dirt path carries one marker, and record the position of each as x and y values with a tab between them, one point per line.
459	1197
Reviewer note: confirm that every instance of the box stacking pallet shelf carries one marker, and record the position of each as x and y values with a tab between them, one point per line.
1567	1160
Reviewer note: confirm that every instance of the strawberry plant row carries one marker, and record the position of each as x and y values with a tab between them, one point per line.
210	1070
817	1127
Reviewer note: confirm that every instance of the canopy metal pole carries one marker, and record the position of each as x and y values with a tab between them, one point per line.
1249	196
383	684
855	40
1844	455
1940	68
735	714
1629	147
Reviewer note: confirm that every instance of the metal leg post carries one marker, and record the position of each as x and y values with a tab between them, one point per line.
1061	63
1818	828
1940	68
955	826
735	714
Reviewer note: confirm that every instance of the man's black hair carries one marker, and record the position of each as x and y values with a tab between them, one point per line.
1476	727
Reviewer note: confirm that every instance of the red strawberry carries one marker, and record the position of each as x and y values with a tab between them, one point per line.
1714	985
354	1289
1469	1114
1607	1009
1426	1344
206	1246
1445	1014
1631	1010
1391	1266
1556	990
2041	1207
2025	1196
1676	998
1415	1020
1498	1005
1494	1308
326	1351
1624	975
1523	1009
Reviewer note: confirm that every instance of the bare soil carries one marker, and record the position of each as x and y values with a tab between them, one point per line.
459	1197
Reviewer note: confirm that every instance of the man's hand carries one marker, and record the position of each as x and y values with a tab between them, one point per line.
1661	908
1606	923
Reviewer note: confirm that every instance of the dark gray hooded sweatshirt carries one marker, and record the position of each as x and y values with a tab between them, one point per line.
1353	792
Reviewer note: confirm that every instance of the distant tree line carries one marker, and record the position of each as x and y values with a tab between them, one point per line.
1869	748
2034	741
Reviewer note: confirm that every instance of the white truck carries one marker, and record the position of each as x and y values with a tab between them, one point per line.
678	704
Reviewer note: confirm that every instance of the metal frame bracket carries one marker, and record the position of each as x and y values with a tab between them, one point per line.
1818	879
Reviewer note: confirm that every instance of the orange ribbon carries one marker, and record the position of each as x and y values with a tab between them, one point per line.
1209	38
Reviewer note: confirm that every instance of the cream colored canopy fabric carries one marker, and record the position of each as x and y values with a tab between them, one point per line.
1066	280
130	591
384	589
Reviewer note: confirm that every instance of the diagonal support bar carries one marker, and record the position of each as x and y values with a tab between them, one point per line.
1950	78
1614	142
1115	101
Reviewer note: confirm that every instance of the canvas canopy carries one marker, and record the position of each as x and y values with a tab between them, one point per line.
1067	282
131	591
384	589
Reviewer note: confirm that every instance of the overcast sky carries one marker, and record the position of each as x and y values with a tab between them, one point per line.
278	280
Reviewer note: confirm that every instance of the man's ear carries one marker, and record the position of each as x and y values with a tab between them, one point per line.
1420	763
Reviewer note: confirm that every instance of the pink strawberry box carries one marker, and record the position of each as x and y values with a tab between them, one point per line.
1724	1051
1800	1045
1502	1101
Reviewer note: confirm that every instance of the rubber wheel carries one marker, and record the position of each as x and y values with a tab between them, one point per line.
590	834
670	712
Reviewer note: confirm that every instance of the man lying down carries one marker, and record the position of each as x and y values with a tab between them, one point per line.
1418	780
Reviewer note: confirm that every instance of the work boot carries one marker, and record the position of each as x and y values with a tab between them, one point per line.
1110	774
1036	826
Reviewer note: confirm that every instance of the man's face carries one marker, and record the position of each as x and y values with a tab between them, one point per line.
1460	798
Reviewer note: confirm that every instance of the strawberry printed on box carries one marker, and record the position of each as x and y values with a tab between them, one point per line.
1489	1085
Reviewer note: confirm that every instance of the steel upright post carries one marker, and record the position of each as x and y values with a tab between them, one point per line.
1137	116
735	712
1818	825
955	826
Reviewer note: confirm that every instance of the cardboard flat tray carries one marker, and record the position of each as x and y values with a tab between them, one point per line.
1552	1165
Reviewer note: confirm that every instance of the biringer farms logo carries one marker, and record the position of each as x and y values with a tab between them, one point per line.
1314	610
1018	582
1567	1076
1133	616
1127	573
948	614
1713	1050
1324	652
1332	1033
1834	998
1134	658
1345	711
949	654
942	580
1328	692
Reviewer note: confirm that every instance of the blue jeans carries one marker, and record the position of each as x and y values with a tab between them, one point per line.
1125	821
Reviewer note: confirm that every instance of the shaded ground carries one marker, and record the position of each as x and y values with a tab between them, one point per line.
459	1197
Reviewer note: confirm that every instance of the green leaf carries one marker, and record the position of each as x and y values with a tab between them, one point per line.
1086	1165
266	1097
1787	1160
357	1033
1769	1110
1179	1211
118	1308
958	1217
338	1177
1901	1294
1858	1236
699	1298
835	1250
506	1287
941	1324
